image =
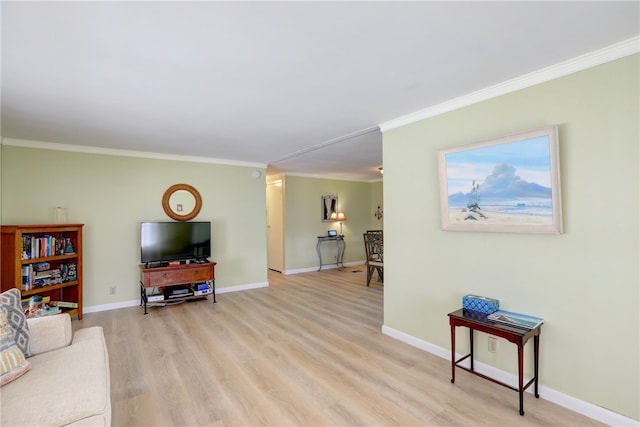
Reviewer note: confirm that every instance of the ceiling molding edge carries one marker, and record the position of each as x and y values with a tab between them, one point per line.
598	57
42	145
328	143
329	177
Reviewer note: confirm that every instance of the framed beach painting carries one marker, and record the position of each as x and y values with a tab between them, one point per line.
509	184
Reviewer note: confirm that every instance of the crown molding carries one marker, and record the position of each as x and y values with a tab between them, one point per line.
328	143
42	145
574	65
330	177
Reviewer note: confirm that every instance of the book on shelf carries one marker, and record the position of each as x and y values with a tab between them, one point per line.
34	247
50	311
64	304
71	272
41	266
27	276
517	320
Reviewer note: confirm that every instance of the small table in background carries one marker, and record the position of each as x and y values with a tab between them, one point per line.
340	245
478	322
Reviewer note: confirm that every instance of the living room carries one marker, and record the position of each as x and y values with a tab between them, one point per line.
583	282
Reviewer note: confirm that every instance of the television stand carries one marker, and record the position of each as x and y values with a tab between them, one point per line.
172	275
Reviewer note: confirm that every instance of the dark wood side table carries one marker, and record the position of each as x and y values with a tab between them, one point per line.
478	322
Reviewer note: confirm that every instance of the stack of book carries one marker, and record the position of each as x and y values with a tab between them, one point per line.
37	299
37	305
40	274
515	320
46	277
63	304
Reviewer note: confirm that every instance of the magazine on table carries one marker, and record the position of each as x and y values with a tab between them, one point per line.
516	320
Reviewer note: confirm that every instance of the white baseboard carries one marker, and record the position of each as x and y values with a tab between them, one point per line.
241	287
324	267
114	306
136	302
305	270
580	406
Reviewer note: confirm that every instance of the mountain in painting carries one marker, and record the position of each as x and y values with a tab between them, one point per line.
503	184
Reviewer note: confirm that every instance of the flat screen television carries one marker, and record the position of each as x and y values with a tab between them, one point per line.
174	241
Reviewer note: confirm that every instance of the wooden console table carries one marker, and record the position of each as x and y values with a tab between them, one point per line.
478	322
161	277
340	246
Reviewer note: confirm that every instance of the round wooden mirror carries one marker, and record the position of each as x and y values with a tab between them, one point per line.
181	202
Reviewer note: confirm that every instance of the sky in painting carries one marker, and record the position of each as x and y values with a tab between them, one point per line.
530	158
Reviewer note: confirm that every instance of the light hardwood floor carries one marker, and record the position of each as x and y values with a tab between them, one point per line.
307	351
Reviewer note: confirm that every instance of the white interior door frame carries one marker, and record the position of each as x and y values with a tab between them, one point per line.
275	224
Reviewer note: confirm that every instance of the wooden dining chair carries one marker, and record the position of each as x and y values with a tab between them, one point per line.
374	251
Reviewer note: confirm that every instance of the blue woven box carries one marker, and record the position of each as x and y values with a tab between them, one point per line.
480	304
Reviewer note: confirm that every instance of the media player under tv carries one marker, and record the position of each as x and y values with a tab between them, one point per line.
173	294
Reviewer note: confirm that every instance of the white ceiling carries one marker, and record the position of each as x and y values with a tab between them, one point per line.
301	86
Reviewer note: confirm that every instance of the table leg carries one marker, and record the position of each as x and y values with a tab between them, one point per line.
536	366
143	298
319	254
471	345
341	247
453	353
520	377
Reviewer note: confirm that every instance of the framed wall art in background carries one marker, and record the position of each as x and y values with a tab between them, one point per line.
509	184
328	206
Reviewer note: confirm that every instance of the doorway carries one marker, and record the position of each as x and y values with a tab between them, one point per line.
275	225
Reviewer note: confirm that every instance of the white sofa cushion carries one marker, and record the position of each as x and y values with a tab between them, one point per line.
49	333
71	382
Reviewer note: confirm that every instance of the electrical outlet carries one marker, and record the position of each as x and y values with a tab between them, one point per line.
112	290
493	344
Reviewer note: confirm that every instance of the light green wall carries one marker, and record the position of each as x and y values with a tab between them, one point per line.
303	223
584	283
113	194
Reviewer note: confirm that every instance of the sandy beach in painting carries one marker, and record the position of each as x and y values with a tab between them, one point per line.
456	216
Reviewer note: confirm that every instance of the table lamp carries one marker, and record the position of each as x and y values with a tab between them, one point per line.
341	217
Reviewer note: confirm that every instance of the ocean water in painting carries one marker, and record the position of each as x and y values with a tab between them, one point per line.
512	178
535	207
